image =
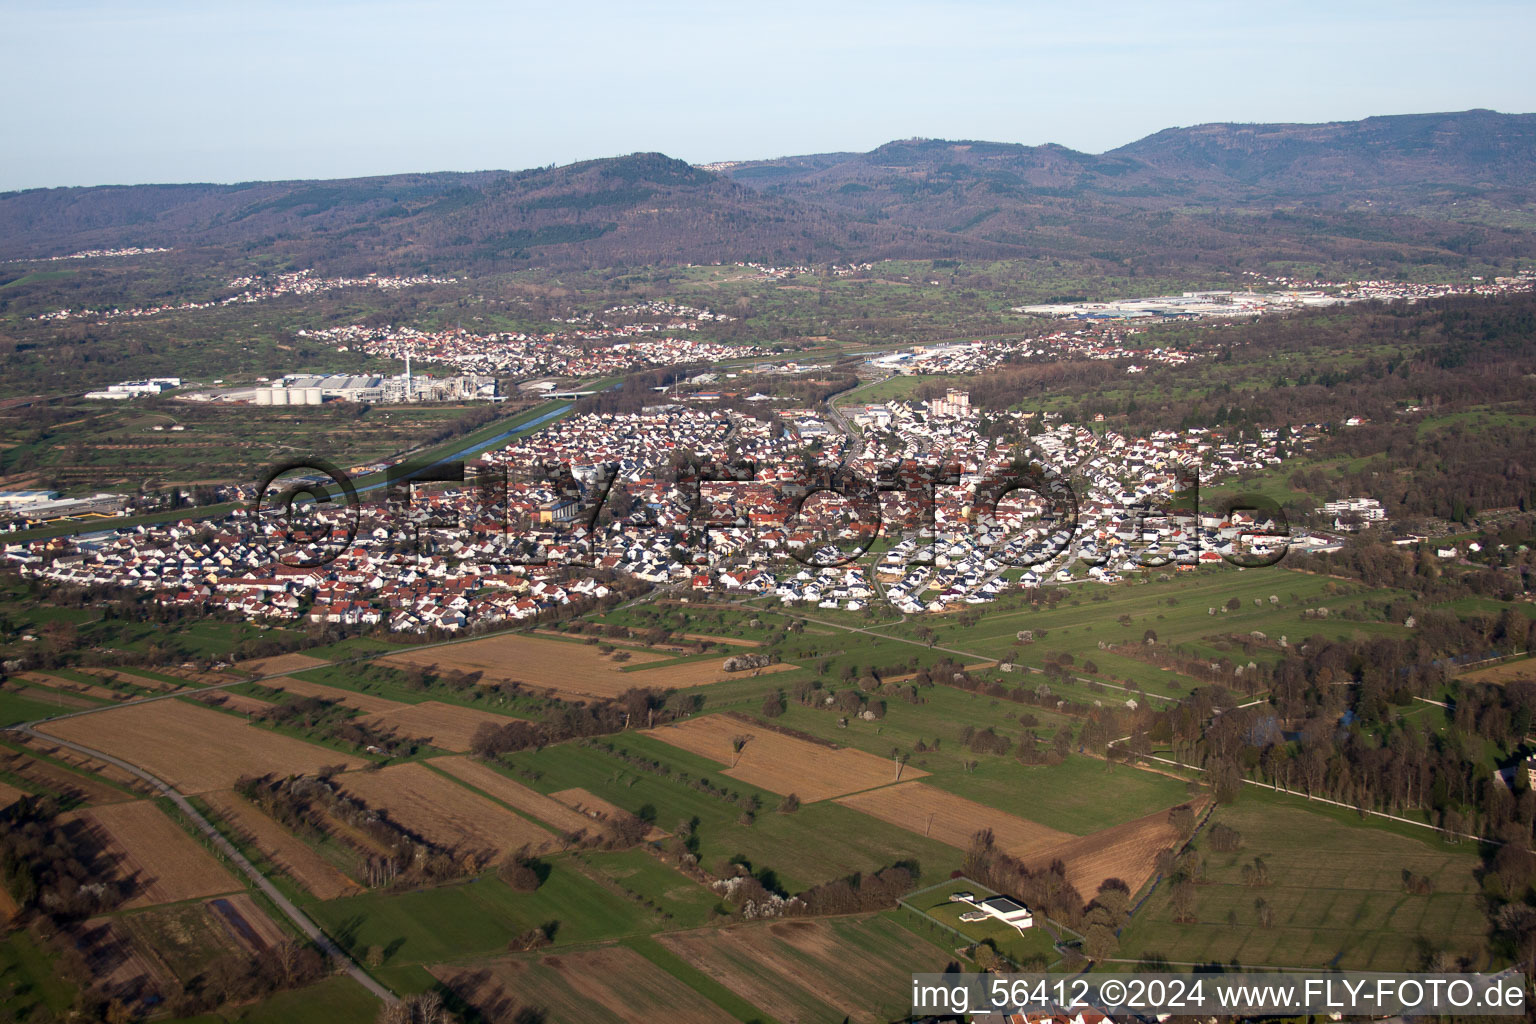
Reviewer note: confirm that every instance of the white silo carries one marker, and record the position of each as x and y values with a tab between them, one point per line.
279	396
312	396
263	396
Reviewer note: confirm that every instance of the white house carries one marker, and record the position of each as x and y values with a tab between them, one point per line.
1011	912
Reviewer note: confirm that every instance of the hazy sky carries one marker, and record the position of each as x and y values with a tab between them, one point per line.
98	92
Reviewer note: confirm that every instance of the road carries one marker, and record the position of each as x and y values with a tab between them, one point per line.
298	917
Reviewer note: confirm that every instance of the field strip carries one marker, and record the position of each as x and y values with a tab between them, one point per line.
598	809
57	779
448	726
163	863
858	968
132	678
45	694
72	686
280	664
285	850
1127	851
234	702
601	983
514	794
568	668
448	814
941	815
364	702
779	763
194	748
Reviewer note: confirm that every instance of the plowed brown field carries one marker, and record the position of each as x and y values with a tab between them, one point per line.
1127	852
61	780
448	726
194	748
282	847
599	810
445	812
953	819
164	863
570	669
782	764
280	663
515	795
367	703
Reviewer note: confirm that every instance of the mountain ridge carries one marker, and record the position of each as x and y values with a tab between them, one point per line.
1414	187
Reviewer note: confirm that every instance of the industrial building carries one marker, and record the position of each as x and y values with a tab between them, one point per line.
313	389
134	389
98	505
19	499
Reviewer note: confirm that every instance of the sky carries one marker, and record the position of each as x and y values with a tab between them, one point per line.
101	92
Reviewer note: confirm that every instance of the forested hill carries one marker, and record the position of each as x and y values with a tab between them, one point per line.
1390	190
1382	192
641	208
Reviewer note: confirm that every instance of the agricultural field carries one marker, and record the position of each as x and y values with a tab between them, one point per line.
107	445
446	726
813	970
1179	610
366	703
446	813
567	668
1336	890
479	916
279	665
782	764
951	819
282	848
1506	672
151	853
1081	795
1127	852
598	810
603	985
818	843
551	812
196	749
237	702
38	775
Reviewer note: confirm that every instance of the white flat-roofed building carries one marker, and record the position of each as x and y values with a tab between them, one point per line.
16	499
1010	912
135	388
